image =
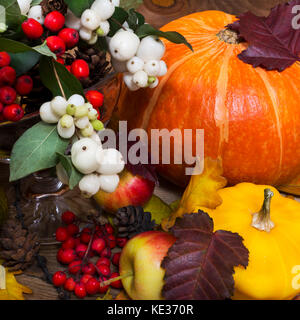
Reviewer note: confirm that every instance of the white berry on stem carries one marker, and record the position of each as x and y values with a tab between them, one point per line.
153	84
47	114
124	45
112	162
104	8
64	132
24	6
90	19
109	183
140	78
76	99
85	157
85	34
151	48
82	123
104	28
152	68
163	69
59	105
135	64
128	80
36	13
89	185
87	131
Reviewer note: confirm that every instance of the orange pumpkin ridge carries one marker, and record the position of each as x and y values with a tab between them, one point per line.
250	116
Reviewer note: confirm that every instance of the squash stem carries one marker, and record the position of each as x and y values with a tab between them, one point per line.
262	219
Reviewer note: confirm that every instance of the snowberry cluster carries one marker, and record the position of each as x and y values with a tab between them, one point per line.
100	166
93	22
87	253
11	88
139	60
71	114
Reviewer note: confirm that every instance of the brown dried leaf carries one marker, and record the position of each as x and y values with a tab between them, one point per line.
200	265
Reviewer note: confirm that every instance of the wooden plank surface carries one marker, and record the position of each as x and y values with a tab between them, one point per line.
157	16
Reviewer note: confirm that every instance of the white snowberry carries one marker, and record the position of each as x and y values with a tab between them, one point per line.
109	184
65	133
46	113
135	64
84	154
119	66
152	68
128	79
36	13
92	114
140	78
76	99
89	185
66	121
112	162
82	111
96	138
87	131
124	45
104	8
151	48
116	3
59	105
90	19
163	69
104	28
93	39
154	84
85	34
24	6
72	21
82	123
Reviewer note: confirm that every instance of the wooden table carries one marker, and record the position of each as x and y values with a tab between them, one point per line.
158	16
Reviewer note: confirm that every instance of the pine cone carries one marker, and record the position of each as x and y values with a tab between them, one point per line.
18	245
131	221
98	63
54	5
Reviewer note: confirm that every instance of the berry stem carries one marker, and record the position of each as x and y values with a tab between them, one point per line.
108	282
118	23
58	80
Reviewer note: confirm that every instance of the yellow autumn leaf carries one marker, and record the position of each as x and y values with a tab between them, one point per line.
201	192
13	289
107	296
122	296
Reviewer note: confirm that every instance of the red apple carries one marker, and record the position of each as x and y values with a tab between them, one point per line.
140	264
132	191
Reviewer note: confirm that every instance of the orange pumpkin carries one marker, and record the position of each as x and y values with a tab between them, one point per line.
250	116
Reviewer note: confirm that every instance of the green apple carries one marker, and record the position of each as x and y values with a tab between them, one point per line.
140	264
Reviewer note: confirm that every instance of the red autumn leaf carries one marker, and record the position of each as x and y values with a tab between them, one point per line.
273	41
200	264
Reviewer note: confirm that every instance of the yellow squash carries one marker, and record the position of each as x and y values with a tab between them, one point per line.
270	226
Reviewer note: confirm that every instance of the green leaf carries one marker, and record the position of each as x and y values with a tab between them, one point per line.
22	62
127	4
74	175
78	6
159	210
17	47
173	36
36	150
119	17
53	73
135	19
35	2
3	205
13	13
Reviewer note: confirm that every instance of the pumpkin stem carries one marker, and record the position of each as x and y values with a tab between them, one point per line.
229	36
262	219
